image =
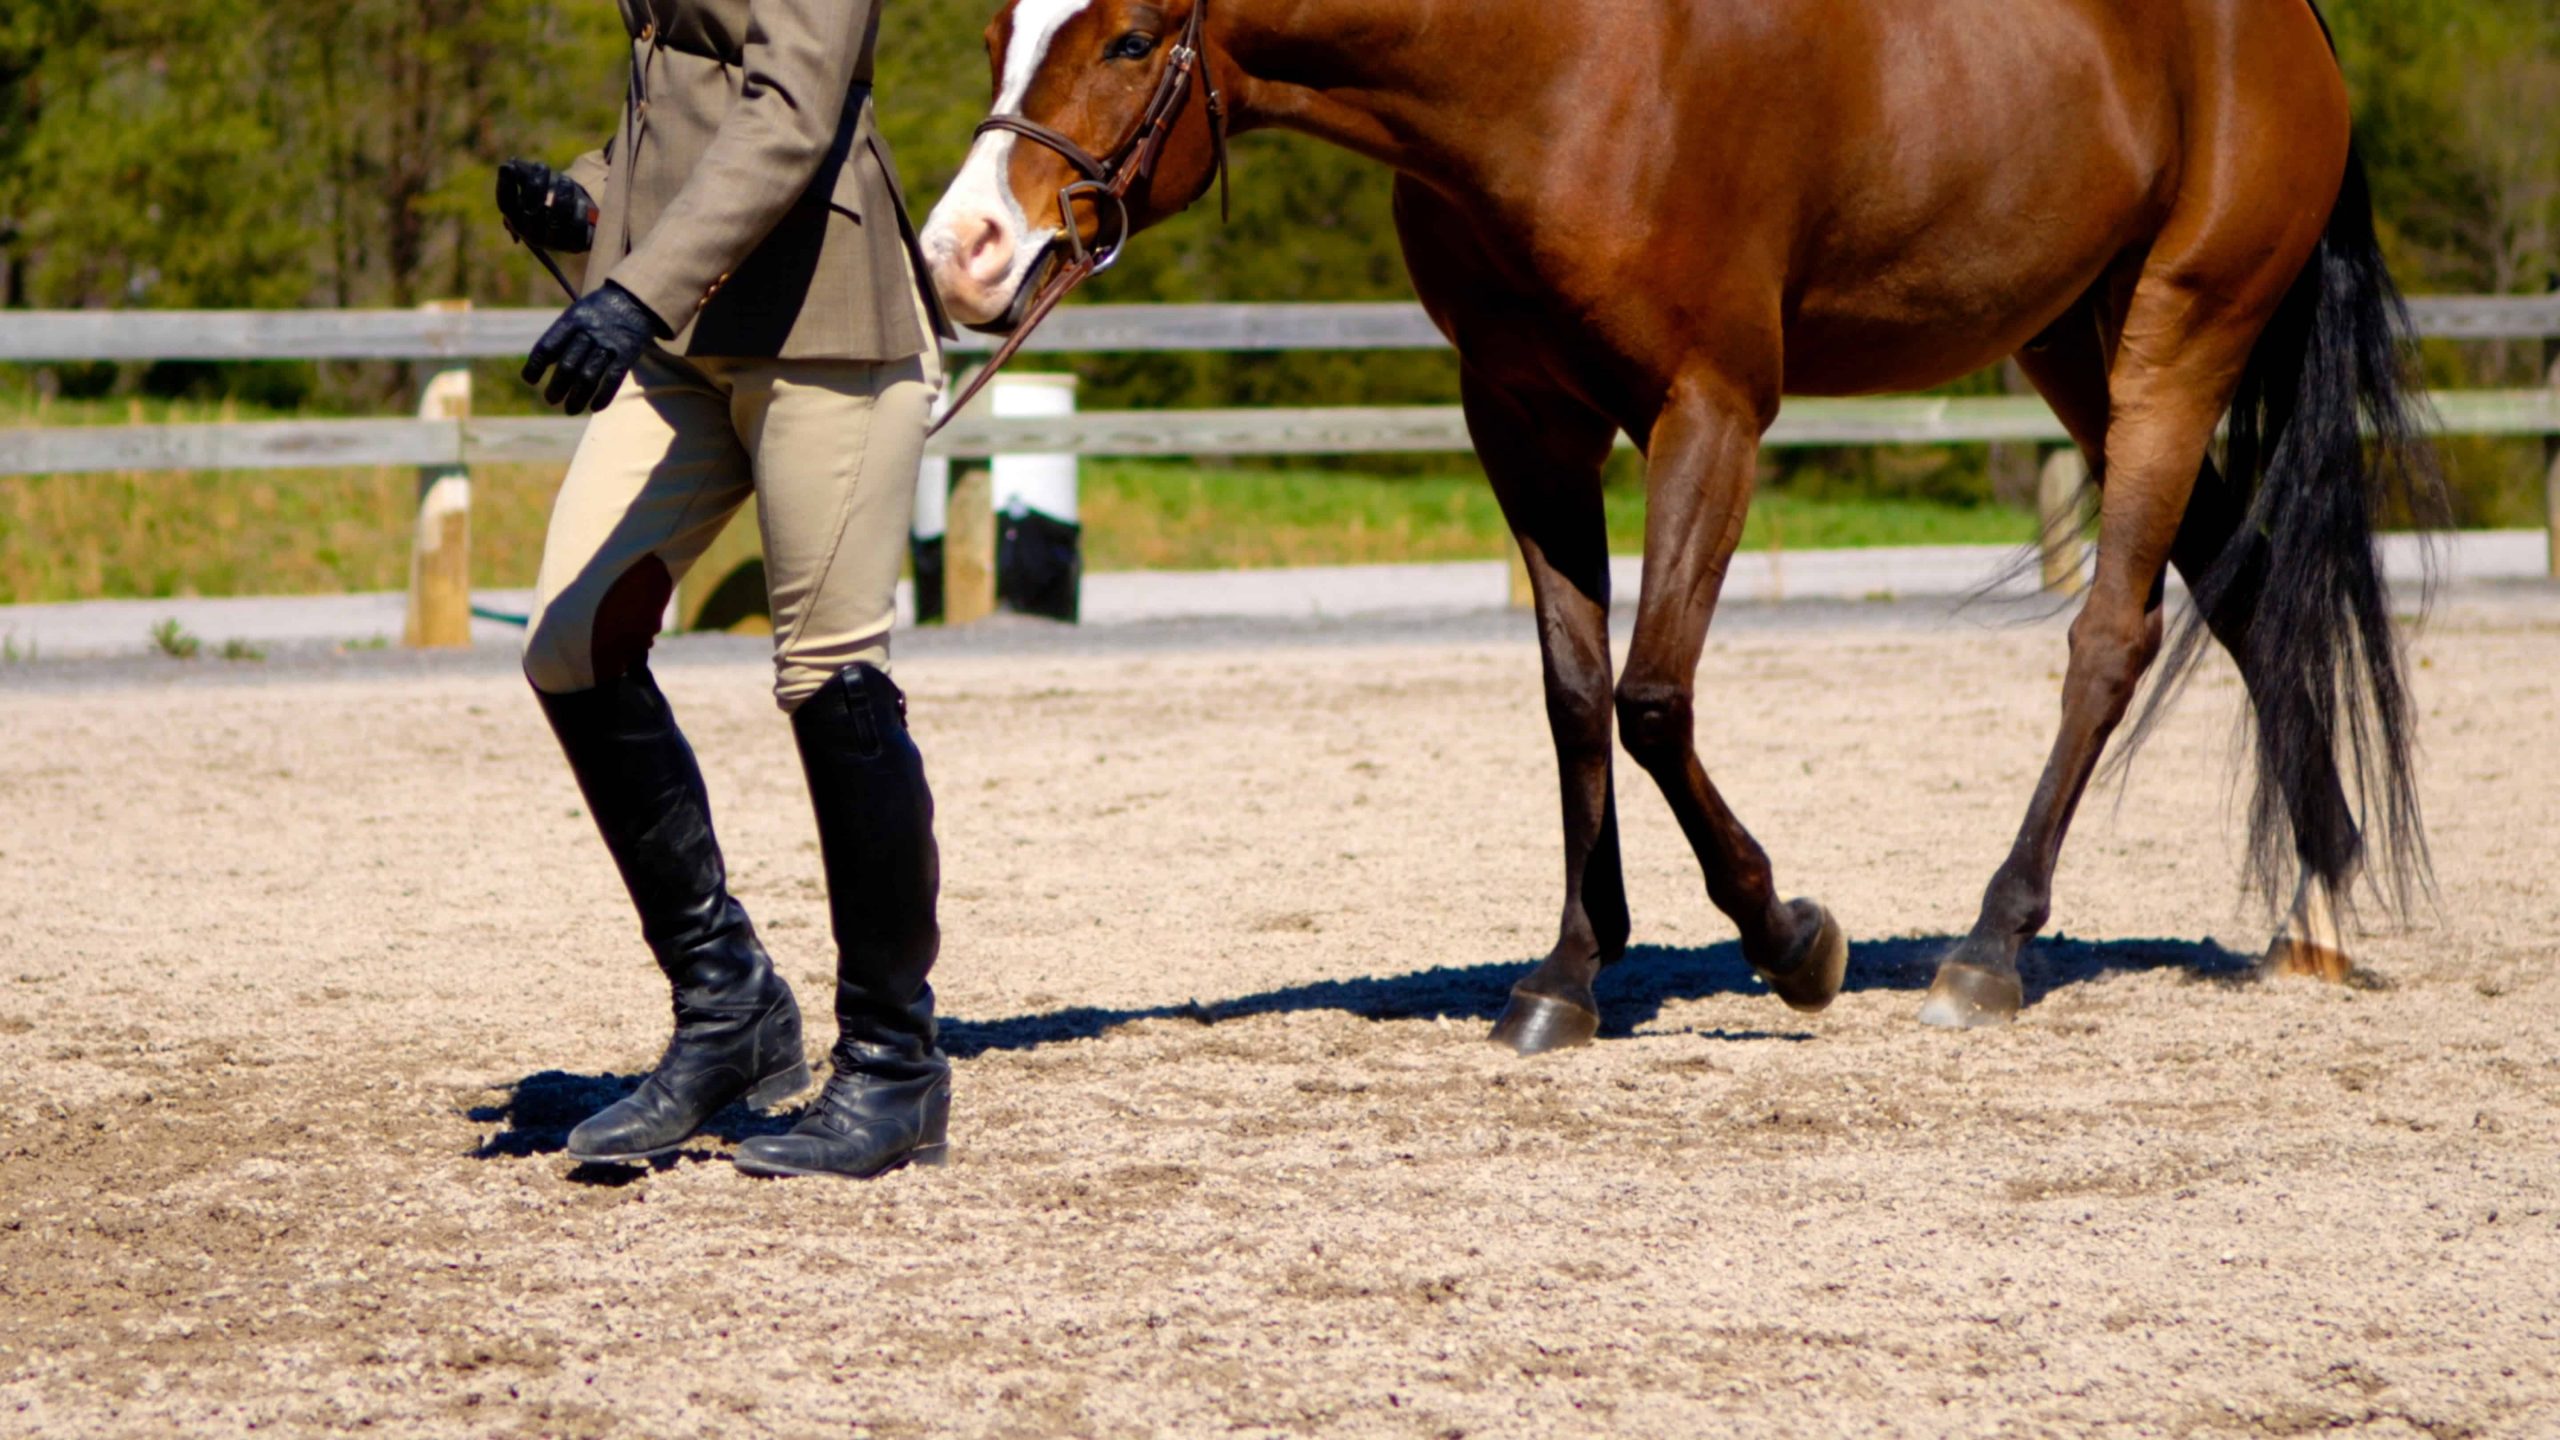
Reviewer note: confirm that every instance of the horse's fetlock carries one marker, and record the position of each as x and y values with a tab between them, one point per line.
2017	905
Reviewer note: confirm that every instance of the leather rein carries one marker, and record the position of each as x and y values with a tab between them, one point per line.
1106	183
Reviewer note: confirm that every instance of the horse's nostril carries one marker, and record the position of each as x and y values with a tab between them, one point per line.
986	253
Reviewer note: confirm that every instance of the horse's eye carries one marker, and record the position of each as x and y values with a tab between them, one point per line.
1136	45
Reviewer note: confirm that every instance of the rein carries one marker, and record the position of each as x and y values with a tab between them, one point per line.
1106	183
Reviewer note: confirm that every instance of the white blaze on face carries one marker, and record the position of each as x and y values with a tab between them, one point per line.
977	240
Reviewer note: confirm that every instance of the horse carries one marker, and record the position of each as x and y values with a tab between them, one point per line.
1660	218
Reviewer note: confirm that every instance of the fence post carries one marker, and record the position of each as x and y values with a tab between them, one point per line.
1039	539
2551	464
969	549
2058	488
440	547
925	530
965	557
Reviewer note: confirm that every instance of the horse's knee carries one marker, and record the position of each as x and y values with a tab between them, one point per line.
1579	714
1657	721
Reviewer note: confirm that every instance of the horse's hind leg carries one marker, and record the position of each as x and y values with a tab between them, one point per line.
2197	308
1543	453
2327	841
2069	366
1698	482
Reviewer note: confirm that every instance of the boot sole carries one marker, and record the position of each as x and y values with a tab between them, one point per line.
623	1157
925	1155
768	1093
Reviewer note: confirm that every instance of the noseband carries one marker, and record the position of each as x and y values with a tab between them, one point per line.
1106	182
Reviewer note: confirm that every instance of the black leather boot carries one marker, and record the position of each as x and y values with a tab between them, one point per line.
889	1101
737	1031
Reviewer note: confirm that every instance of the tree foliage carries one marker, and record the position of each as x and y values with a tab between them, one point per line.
338	152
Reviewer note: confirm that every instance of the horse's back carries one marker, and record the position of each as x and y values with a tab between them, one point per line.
1970	168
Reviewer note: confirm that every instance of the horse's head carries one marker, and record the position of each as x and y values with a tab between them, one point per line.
1105	122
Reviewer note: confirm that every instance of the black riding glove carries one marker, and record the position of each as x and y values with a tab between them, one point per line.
546	208
593	345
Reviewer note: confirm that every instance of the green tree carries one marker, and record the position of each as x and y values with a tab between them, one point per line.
339	152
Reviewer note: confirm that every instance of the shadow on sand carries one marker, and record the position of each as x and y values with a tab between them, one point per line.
541	1107
1632	992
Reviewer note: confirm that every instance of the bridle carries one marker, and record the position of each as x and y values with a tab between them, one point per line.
1106	182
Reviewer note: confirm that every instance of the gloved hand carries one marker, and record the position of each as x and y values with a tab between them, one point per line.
593	345
545	207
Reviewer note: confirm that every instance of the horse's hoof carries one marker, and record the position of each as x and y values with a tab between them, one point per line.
1969	997
1818	964
2288	956
1535	1024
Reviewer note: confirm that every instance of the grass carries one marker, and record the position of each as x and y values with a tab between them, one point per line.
174	641
79	537
157	535
178	643
1153	516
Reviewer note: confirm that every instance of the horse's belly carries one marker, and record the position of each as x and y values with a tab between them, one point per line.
1946	304
1862	351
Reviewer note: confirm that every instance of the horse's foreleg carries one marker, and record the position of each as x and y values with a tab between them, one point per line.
1699	478
1543	454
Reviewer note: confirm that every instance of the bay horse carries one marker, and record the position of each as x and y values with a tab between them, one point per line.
1661	217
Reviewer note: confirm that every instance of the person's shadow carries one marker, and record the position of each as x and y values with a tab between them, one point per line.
540	1108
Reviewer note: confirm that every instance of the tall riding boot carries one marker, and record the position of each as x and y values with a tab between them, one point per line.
737	1028
889	1101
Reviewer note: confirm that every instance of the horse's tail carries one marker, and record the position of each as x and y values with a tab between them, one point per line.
2326	431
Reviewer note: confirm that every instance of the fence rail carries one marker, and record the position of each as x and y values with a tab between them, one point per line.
1346	430
443	448
86	335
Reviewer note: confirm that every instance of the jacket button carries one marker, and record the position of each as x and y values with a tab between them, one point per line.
649	31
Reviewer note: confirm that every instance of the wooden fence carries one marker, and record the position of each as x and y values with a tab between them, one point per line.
450	439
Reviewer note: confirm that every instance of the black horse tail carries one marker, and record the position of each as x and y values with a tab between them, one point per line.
2326	435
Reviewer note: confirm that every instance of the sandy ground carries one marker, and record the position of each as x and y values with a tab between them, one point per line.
305	972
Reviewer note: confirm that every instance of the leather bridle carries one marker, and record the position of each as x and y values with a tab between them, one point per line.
1106	183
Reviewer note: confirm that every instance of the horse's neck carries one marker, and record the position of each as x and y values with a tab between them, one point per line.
1383	78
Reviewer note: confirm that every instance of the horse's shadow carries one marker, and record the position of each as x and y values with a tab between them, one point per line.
1632	992
540	1108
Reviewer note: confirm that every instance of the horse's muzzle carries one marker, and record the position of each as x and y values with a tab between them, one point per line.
1034	280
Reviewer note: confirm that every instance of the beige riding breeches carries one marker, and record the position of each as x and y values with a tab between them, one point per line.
829	450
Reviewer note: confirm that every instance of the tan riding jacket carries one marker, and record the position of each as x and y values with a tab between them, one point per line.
748	198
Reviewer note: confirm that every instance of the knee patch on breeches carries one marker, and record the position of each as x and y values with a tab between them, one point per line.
575	642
